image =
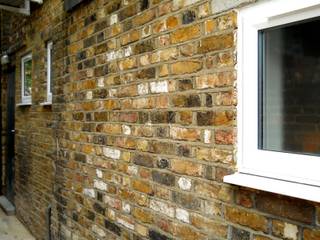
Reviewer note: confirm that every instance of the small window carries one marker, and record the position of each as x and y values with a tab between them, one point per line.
279	84
26	78
49	72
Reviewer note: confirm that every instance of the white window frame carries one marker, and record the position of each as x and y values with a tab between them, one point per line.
49	71
25	99
251	161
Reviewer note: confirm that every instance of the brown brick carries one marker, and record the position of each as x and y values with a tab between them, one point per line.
310	234
187	201
186	101
248	219
172	22
185	134
285	230
223	118
186	233
216	43
166	179
143	18
186	67
143	160
286	207
186	167
185	34
142	186
142	215
217	229
226	137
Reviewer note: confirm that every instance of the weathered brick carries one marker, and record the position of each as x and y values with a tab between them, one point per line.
285	230
216	43
285	207
112	227
248	219
310	234
185	34
186	67
240	234
143	160
142	215
186	101
142	186
163	178
154	235
185	133
186	167
186	200
188	17
162	207
216	229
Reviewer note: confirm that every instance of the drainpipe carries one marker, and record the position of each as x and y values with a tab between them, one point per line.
48	221
1	155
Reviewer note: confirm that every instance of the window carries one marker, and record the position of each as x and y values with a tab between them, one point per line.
49	72
279	85
70	4
26	78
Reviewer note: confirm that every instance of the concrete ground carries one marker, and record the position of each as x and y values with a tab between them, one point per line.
12	229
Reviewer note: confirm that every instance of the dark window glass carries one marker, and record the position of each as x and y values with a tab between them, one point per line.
289	88
27	78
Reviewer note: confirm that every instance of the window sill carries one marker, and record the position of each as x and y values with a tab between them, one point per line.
46	103
24	104
292	189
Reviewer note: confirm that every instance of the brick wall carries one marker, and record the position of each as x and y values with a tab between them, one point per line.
142	129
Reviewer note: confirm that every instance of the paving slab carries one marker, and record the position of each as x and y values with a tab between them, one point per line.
12	229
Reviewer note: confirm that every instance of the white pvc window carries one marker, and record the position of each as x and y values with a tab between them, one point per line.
26	78
275	48
49	72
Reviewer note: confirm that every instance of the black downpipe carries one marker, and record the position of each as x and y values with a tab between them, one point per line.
1	76
48	221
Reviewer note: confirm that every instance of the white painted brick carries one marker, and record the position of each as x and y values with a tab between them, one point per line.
177	4
111	214
126	207
89	95
100	185
184	183
89	192
133	170
125	223
112	92
119	54
182	215
111	56
128	52
111	153
101	82
290	231
162	207
113	19
159	87
126	130
99	173
143	88
112	202
98	231
189	2
207	136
